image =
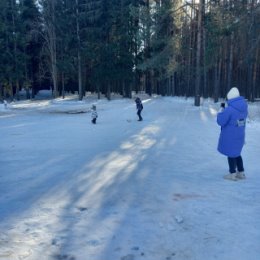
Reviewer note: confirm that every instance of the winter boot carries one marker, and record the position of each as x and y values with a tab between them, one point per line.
240	175
231	176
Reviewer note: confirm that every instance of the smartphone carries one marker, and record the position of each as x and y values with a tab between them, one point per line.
222	105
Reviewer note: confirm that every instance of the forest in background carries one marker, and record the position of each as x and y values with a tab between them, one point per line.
195	48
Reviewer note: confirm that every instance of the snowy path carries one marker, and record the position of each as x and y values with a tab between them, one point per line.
120	190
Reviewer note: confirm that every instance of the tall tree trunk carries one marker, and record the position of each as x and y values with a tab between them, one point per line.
217	77
79	54
216	90
198	54
205	83
1	92
191	53
128	89
253	55
255	74
17	90
52	44
63	85
173	84
14	33
224	68
230	62
108	94
98	90
148	88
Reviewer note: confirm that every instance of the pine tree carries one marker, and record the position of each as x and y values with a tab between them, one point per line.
49	35
31	44
12	52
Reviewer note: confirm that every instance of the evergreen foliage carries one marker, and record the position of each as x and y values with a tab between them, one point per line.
170	47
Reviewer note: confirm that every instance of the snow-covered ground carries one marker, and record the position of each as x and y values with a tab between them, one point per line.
122	189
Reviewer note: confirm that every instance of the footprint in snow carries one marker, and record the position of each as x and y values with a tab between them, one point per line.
128	257
64	257
82	209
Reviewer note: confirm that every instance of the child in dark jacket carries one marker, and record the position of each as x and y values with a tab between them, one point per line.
139	107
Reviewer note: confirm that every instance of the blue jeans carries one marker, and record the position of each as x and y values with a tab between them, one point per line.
235	163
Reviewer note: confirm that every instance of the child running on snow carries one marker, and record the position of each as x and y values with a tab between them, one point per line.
94	114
